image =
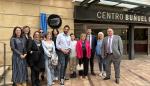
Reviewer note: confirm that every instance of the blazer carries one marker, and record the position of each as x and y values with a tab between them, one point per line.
79	51
117	46
94	43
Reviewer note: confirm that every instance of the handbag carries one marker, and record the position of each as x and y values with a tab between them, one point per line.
79	67
53	60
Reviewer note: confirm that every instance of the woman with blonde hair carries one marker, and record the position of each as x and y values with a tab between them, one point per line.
83	51
49	47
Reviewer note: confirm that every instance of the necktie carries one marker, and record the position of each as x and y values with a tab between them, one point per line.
109	45
89	39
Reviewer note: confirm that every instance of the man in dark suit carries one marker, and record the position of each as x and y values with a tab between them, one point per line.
93	42
112	50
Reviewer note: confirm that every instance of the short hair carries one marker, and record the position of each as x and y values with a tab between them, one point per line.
82	34
71	34
66	26
35	33
109	28
101	33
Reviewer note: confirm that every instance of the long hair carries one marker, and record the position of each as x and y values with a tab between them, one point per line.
14	34
53	32
24	27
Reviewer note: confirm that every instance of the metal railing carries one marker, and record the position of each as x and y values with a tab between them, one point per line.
4	64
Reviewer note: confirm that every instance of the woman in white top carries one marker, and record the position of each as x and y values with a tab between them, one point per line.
49	47
73	60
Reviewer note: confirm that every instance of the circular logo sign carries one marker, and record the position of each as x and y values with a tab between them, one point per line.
54	21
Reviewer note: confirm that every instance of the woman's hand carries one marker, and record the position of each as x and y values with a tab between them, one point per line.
25	55
22	56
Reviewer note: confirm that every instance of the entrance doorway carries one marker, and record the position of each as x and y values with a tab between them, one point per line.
140	40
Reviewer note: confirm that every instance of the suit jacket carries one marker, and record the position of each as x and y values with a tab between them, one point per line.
94	43
79	50
117	46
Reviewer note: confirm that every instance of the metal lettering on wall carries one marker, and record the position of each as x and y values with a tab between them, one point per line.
121	16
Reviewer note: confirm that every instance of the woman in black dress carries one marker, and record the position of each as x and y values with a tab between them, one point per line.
27	37
19	69
55	32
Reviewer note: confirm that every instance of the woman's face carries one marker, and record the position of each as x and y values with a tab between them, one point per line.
55	32
100	36
18	32
83	38
37	36
49	36
26	30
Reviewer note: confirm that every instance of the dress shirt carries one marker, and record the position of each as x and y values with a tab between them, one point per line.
63	41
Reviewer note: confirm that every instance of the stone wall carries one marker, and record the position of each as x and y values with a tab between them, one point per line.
27	12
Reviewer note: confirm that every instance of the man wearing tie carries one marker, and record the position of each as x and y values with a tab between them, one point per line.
92	39
112	50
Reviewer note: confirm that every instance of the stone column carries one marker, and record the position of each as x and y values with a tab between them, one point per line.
131	42
148	42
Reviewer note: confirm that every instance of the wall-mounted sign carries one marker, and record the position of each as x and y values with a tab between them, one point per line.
86	14
122	16
54	21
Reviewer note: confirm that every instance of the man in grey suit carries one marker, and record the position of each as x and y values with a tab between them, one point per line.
112	49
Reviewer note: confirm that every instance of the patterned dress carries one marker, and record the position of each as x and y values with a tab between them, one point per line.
19	65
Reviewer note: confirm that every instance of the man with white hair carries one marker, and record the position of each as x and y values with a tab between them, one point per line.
112	50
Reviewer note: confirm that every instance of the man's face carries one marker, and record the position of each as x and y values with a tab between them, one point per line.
89	31
110	32
72	37
66	30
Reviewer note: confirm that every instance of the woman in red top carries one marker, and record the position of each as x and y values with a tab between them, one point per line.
83	54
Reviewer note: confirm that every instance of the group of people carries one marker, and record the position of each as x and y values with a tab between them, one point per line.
35	52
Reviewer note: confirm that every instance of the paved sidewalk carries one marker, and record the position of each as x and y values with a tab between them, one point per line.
133	73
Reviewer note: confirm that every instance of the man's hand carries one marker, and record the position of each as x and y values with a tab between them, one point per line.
68	51
64	51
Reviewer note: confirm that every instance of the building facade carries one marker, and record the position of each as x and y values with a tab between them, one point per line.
133	28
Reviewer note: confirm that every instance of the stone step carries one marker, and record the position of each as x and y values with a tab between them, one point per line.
7	79
2	71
